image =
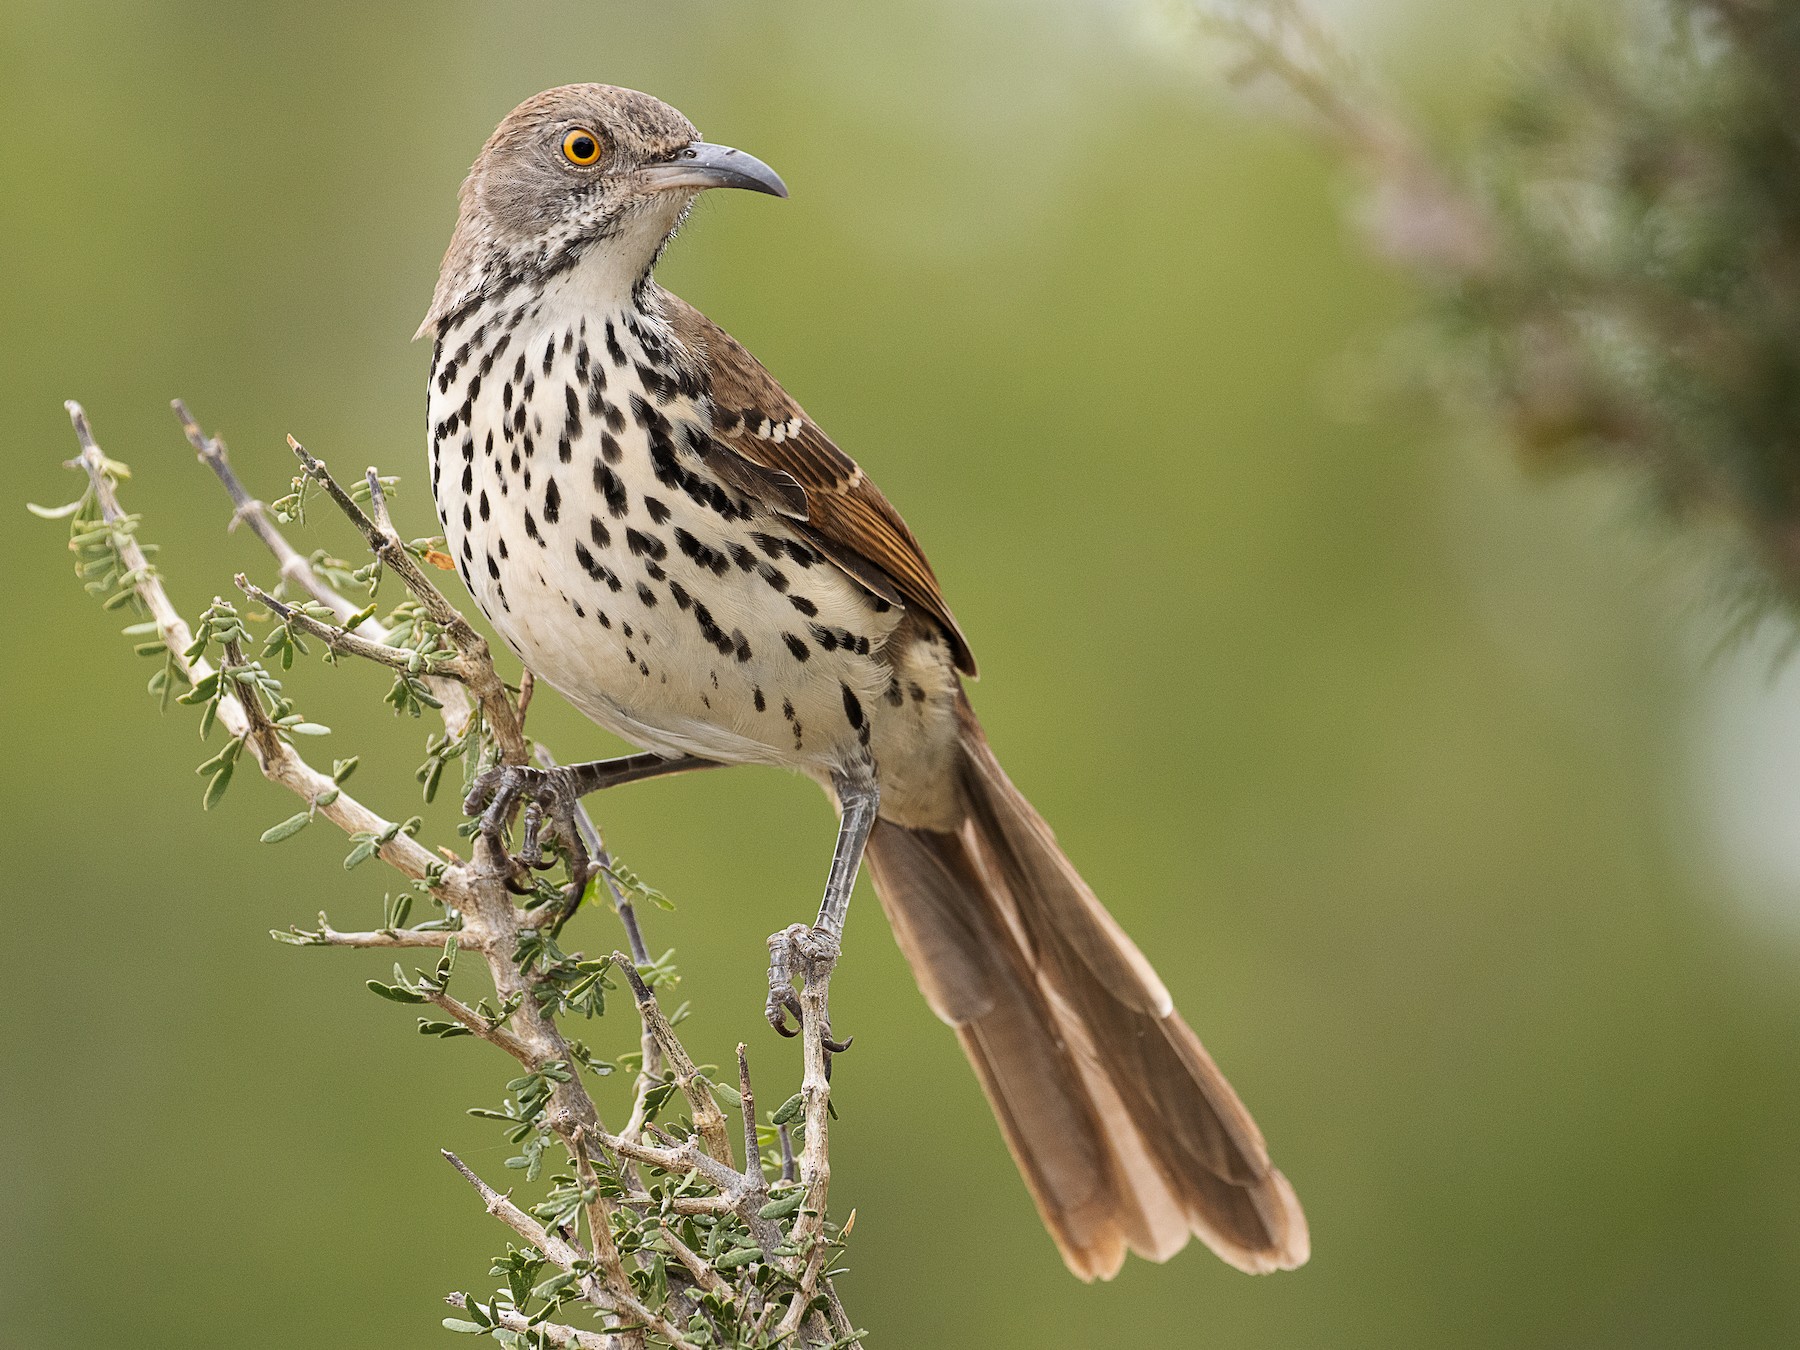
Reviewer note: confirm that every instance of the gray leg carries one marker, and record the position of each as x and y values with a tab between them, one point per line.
796	950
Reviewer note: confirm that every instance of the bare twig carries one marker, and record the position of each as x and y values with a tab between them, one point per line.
340	640
296	570
279	761
554	1332
476	665
606	1250
704	1275
327	936
568	1257
709	1120
815	1166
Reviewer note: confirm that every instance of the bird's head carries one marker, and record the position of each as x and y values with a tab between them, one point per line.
583	172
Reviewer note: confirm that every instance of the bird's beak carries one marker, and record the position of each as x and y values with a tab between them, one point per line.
705	165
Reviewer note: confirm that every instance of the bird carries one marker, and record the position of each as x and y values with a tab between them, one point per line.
662	534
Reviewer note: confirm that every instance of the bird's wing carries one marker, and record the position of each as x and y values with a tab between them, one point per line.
766	446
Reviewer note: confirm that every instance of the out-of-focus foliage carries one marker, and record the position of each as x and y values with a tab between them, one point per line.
1642	301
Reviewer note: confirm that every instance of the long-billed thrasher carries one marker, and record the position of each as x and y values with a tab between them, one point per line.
664	536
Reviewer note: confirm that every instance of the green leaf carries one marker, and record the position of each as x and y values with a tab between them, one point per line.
55	512
394	992
742	1256
783	1205
308	729
465	1328
287	829
215	787
787	1110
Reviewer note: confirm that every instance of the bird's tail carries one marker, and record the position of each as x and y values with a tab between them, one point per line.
1126	1132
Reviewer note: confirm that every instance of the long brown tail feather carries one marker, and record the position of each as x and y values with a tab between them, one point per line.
1126	1132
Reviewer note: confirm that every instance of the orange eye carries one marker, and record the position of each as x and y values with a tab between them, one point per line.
581	147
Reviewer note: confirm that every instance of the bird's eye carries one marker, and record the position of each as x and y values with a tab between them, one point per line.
581	147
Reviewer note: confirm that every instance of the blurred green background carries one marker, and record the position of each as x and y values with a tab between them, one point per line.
1404	771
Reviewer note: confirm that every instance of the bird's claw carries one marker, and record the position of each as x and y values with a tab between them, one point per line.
807	953
550	799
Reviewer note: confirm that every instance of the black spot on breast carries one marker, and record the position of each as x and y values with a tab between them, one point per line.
552	502
468	479
892	694
918	694
743	557
682	598
740	646
756	697
493	567
852	707
609	448
796	646
487	361
612	488
659	513
601	535
549	354
773	575
710	630
531	529
484	504
805	606
647	595
613	349
468	517
645	545
574	404
702	556
825	637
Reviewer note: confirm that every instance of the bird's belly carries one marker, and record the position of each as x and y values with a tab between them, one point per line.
663	605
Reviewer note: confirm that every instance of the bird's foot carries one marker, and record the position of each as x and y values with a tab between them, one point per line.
550	797
806	953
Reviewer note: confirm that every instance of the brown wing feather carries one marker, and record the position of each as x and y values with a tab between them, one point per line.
765	445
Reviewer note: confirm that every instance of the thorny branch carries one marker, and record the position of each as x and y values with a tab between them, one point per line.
704	1254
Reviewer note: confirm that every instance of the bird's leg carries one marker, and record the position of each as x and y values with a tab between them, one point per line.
799	951
551	796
